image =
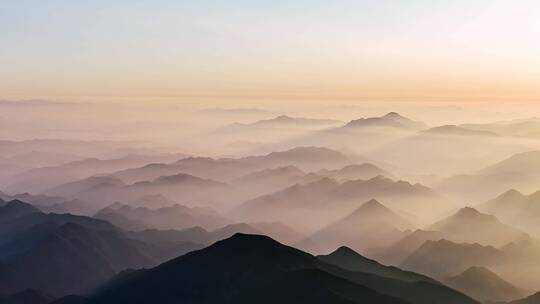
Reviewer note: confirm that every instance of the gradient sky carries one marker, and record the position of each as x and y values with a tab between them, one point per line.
381	49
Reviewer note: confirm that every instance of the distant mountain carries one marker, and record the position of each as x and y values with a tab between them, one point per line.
483	285
347	258
469	225
172	217
441	259
256	269
517	209
524	163
392	119
371	225
529	127
309	207
520	172
286	121
458	131
73	188
41	179
354	172
183	187
270	180
198	235
395	253
229	169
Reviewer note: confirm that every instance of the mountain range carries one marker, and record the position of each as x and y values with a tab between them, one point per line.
224	273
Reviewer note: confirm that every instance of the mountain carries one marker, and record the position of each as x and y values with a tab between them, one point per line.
354	172
27	296
392	119
458	131
440	259
524	163
65	252
347	258
14	209
251	268
288	121
441	151
47	251
172	217
228	169
534	299
396	252
517	209
523	128
371	225
309	207
270	180
73	188
469	225
483	285
519	171
41	179
183	187
201	236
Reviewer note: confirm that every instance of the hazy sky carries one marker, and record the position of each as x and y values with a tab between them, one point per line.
375	50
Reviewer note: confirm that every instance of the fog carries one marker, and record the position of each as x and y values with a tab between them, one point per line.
449	191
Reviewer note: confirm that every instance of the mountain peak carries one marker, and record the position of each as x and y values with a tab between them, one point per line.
393	115
372	205
468	212
510	194
344	251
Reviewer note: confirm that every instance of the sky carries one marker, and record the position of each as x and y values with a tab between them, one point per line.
231	50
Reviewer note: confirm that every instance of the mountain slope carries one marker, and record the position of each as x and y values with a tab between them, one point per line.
483	285
440	259
347	258
392	119
311	206
517	209
172	217
371	225
256	269
469	226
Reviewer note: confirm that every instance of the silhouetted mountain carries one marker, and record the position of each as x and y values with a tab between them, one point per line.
440	259
469	226
250	268
517	209
371	225
483	285
347	258
391	119
27	296
16	208
65	252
